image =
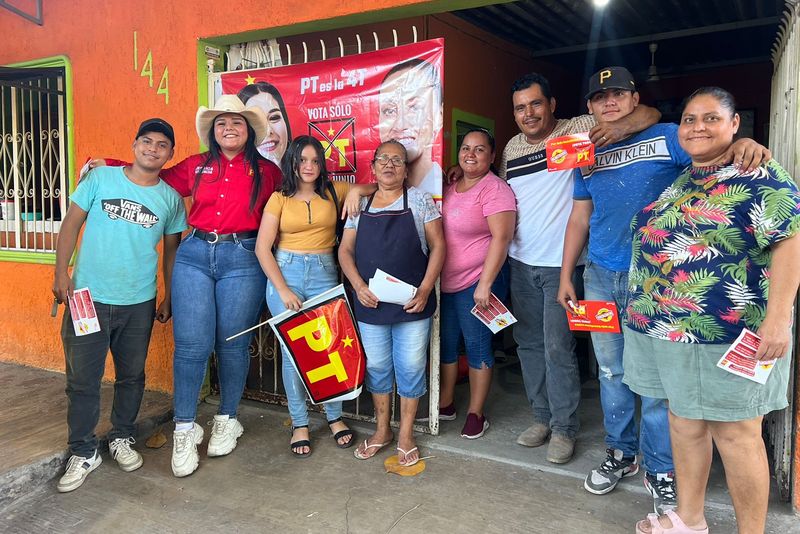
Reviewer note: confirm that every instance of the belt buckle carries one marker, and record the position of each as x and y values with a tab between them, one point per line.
216	238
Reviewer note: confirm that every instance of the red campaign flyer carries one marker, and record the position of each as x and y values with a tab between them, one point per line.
594	316
496	316
740	359
569	152
81	308
324	346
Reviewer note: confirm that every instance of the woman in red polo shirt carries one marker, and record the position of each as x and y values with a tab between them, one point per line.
218	286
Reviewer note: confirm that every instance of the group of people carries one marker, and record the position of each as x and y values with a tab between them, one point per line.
709	252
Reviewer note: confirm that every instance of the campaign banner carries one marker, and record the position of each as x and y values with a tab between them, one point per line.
352	104
324	346
569	152
593	316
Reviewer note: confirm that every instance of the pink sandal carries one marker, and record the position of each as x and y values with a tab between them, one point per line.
678	526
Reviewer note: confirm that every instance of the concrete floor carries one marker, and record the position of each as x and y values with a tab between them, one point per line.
483	486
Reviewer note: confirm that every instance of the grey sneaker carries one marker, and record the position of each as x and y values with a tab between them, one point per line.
662	487
78	468
615	467
534	436
127	458
560	449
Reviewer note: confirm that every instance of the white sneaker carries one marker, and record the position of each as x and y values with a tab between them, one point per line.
127	458
78	468
184	450
224	434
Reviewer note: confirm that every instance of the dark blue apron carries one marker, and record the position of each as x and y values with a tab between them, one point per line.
388	240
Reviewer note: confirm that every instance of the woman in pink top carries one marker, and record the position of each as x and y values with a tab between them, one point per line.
479	215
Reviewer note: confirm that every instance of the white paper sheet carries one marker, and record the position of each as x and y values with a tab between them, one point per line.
391	289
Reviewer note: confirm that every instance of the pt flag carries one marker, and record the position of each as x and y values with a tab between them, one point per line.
351	104
324	346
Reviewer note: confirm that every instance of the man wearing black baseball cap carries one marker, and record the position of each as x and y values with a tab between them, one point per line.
127	212
611	78
157	125
625	177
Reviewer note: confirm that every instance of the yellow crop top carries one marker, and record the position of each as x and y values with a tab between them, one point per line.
307	226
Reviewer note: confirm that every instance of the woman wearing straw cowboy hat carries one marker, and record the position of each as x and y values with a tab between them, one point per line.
218	286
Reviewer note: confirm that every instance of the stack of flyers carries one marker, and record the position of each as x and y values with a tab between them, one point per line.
81	308
390	289
740	358
496	316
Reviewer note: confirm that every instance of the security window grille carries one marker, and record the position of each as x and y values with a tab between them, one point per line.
33	158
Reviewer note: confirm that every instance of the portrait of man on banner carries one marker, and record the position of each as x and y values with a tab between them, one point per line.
352	104
411	111
324	345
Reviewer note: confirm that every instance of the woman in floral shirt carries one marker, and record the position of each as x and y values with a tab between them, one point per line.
716	253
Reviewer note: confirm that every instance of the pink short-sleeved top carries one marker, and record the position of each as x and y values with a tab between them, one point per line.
466	229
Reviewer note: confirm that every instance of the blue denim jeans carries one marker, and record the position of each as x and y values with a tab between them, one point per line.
396	352
307	275
457	320
616	398
546	347
125	330
217	291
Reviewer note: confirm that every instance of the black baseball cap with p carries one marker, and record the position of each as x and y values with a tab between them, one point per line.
157	125
611	78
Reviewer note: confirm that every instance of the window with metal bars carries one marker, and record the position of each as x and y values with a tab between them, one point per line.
34	159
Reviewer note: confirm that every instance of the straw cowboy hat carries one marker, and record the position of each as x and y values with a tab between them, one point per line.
254	116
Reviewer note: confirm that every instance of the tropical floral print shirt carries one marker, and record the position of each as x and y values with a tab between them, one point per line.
702	251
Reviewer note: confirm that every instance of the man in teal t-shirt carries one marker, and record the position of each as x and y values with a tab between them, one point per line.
127	211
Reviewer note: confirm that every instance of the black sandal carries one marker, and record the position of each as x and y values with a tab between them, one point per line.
342	434
299	444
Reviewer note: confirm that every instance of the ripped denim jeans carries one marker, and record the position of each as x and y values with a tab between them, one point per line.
617	400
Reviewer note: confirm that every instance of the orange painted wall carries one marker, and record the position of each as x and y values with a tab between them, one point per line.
110	99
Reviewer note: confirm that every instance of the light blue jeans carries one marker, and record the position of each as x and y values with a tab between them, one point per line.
396	352
616	398
216	292
307	275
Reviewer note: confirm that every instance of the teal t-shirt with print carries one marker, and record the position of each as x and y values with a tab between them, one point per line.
117	259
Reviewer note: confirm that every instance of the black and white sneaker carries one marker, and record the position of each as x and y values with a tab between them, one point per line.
615	467
662	487
78	468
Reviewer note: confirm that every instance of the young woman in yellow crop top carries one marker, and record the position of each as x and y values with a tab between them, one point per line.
300	222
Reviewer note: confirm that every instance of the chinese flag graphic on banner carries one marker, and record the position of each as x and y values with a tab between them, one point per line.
324	345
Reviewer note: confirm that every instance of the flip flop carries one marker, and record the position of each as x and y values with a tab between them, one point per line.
678	526
342	434
300	443
405	455
360	454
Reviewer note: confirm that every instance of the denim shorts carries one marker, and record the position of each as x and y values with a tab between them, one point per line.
686	374
456	320
396	352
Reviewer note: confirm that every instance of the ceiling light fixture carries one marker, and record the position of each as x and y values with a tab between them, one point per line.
599	4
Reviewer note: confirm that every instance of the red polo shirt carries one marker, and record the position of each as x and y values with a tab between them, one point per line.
221	202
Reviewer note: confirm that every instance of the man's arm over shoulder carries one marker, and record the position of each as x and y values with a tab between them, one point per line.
641	118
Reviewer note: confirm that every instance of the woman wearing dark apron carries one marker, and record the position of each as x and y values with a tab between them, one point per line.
399	232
